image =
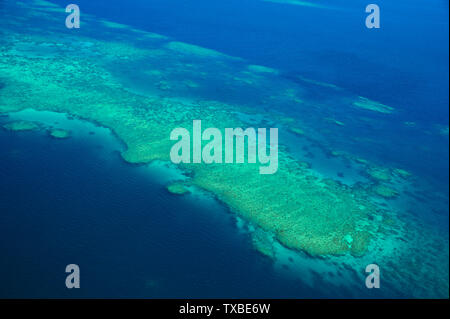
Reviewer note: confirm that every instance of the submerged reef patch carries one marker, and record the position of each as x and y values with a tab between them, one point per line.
21	126
385	191
178	189
59	133
402	173
297	131
191	49
364	103
262	69
379	174
443	130
263	242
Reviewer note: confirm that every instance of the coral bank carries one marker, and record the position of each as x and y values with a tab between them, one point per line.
59	133
83	75
21	126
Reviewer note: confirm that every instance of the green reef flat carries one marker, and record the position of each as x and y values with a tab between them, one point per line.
83	74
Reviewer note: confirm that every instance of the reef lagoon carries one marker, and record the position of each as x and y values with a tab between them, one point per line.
86	176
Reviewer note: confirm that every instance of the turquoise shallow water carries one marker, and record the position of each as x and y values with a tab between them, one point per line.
77	201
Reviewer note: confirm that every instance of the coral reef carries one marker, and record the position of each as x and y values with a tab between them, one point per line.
370	105
297	131
385	191
301	211
263	242
59	133
21	126
178	189
379	174
262	69
190	49
402	173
